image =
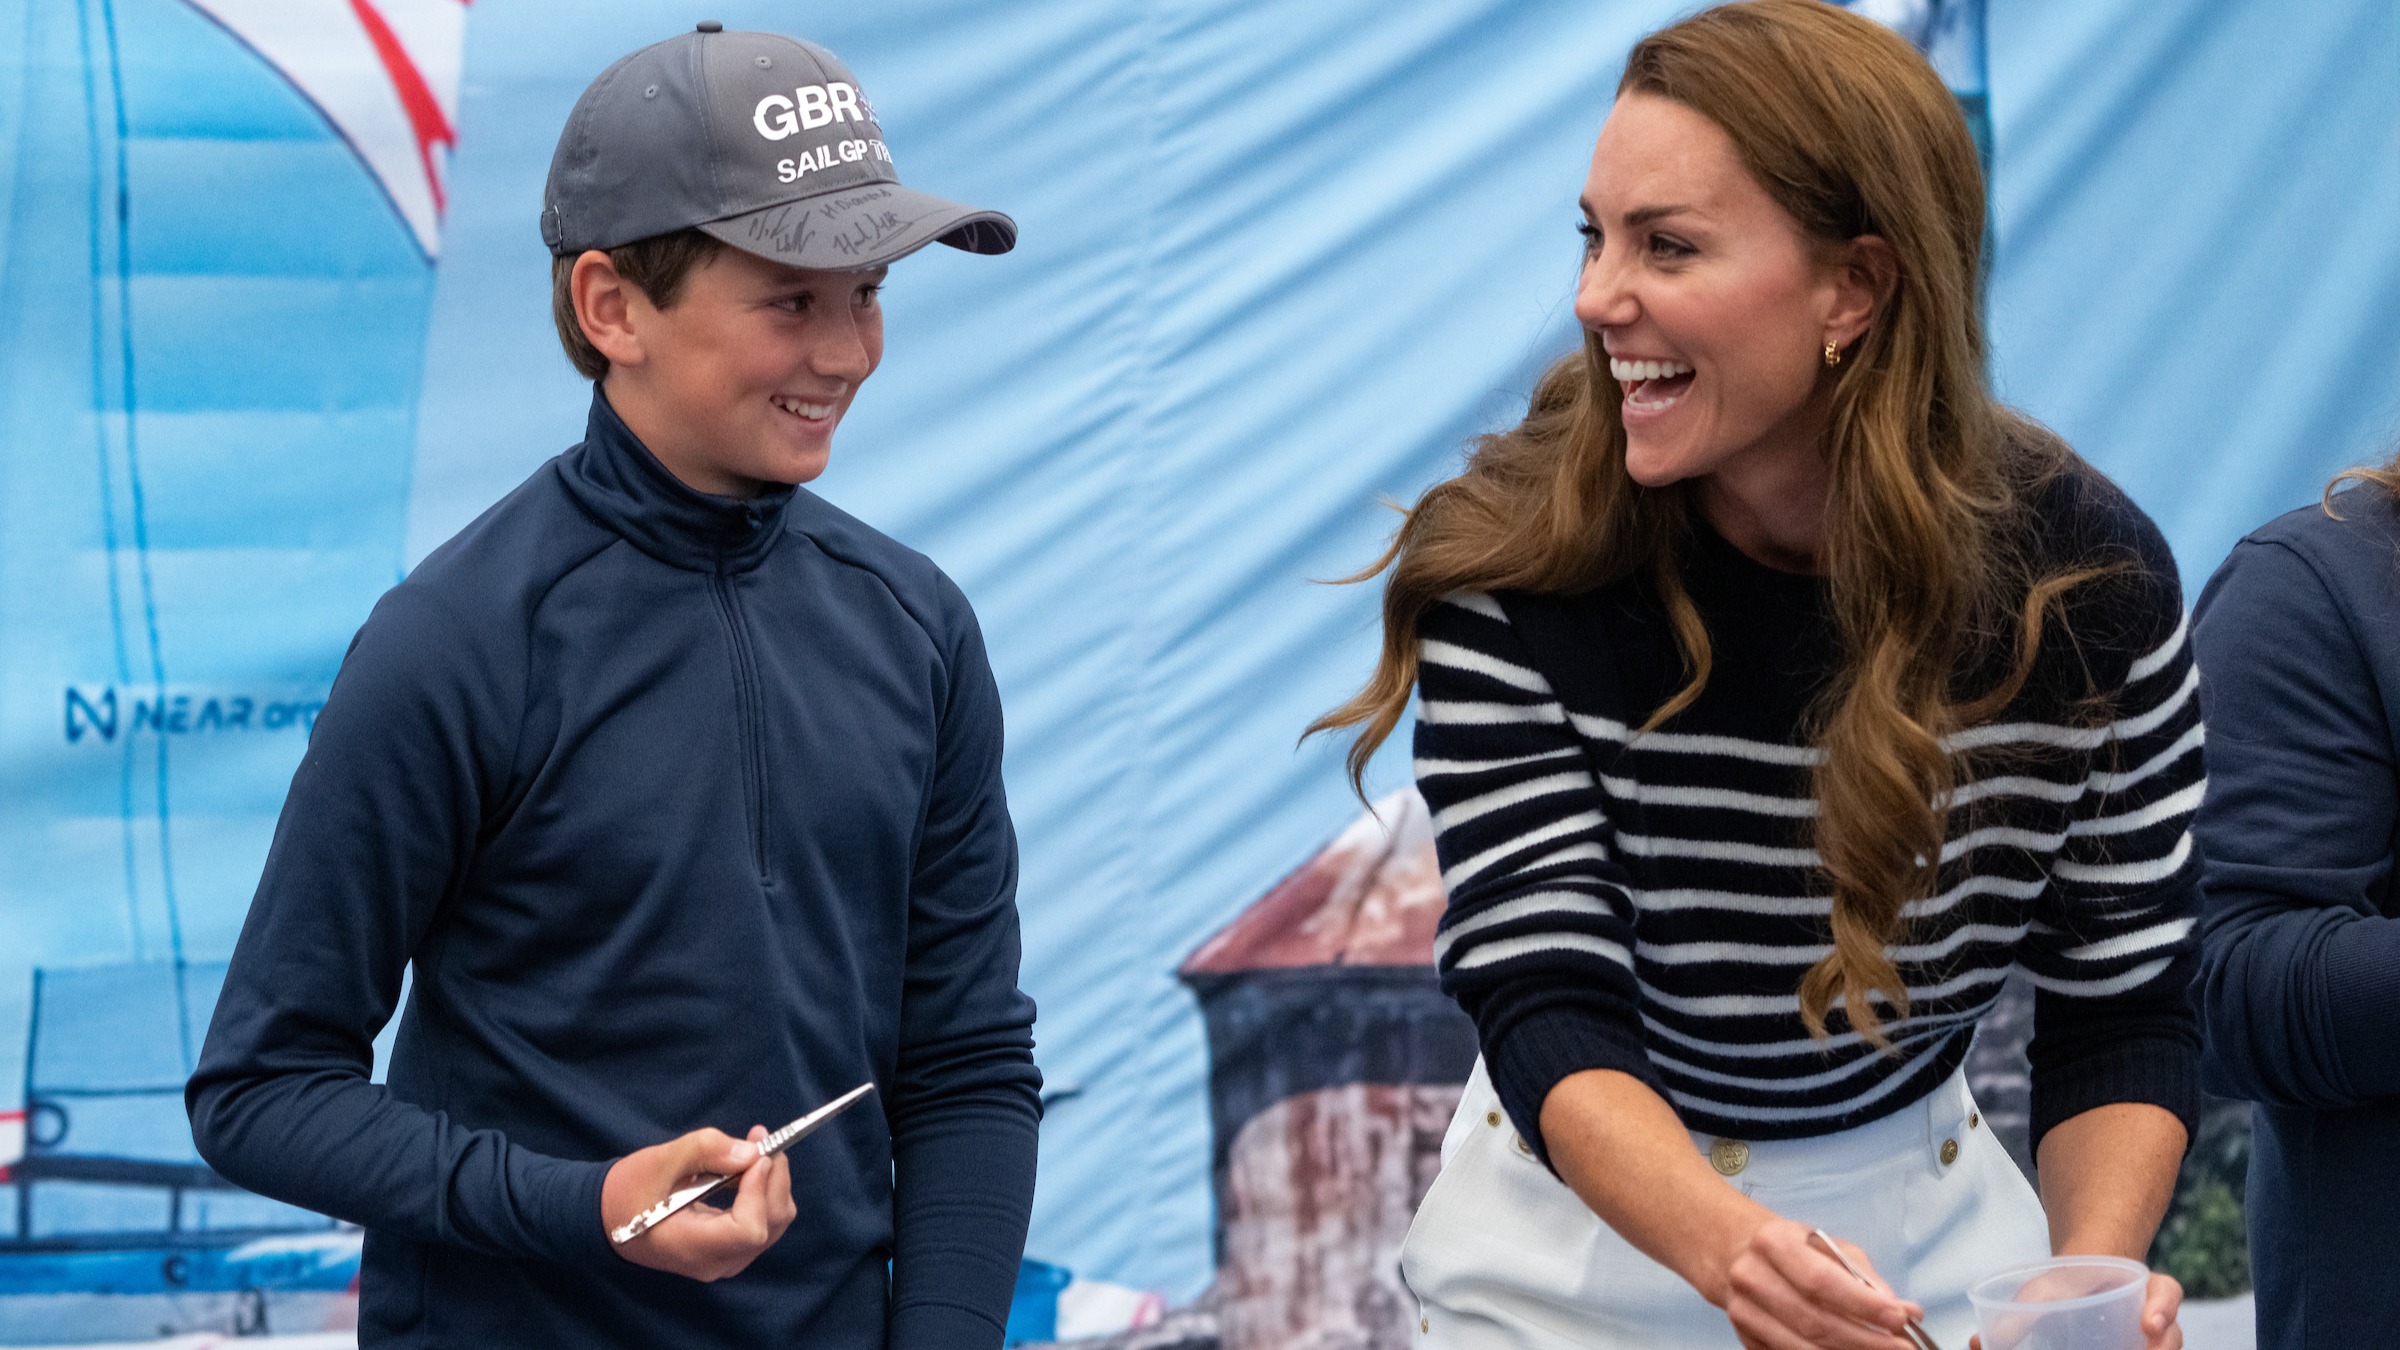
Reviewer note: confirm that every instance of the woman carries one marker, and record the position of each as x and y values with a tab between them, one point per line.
2300	966
1781	691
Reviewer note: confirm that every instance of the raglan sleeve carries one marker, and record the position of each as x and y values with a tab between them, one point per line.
2300	967
2111	950
1536	943
965	1105
378	829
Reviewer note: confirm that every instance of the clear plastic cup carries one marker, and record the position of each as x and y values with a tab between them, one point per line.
2064	1303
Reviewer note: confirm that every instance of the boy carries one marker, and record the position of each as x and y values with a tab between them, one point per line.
681	791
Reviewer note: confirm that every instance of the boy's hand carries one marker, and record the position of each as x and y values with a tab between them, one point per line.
701	1241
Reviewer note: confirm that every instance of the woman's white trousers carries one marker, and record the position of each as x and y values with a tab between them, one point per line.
1502	1256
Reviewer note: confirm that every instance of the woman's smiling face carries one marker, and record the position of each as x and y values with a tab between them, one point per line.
1713	305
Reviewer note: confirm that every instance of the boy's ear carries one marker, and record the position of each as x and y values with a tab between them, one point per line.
604	303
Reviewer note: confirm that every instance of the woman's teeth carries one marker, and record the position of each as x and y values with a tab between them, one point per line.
1637	371
815	412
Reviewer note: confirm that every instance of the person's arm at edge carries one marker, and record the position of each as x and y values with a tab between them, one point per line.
377	831
2300	970
965	1105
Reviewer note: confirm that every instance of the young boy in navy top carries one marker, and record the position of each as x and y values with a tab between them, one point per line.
679	789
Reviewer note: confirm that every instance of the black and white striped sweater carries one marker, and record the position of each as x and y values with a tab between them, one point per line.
1649	901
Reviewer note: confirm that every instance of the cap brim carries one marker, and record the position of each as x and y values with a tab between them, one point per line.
862	227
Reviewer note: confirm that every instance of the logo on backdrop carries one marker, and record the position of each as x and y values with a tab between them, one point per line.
103	714
402	126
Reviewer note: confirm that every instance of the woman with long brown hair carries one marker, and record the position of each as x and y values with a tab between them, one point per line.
1780	693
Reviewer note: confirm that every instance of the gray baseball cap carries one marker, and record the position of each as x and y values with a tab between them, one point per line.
765	142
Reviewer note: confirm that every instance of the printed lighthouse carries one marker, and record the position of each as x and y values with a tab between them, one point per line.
1334	1066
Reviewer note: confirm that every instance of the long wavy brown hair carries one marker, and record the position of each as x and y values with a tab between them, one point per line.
1925	555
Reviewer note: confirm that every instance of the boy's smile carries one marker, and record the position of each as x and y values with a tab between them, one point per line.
740	382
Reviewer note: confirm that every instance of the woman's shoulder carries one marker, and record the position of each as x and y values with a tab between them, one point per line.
2125	607
2076	517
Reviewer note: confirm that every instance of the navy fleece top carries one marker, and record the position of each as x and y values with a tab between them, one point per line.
685	811
2298	639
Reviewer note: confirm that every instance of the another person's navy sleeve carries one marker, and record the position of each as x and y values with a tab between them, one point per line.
378	830
965	1108
2300	977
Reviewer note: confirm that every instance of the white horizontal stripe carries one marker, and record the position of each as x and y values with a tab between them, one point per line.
2009	836
2157	659
1476	602
2181	803
2075	738
1883	1088
1974	790
1687	743
1515	794
2184	745
2126	944
2125	874
1989	934
1753	953
1438	768
1600	728
1715	850
1523	907
1534	944
2007	888
1444	712
1788	1005
2013	888
1811	1046
2098	781
1467	870
2015	785
1451	656
1798	1082
1653	794
2172	704
2108	988
1733	901
2034	733
1770	954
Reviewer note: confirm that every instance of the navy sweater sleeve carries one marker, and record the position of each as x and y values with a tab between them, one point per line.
2111	951
378	830
965	1108
2300	980
1537	942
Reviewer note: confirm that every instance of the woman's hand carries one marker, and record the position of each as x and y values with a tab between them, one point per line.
2161	1304
1618	1144
1783	1291
2160	1307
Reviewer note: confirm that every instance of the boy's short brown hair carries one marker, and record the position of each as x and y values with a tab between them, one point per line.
658	266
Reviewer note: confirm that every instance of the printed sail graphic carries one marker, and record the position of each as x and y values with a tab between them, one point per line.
223	216
383	72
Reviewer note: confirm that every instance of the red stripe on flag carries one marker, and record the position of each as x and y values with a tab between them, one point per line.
416	97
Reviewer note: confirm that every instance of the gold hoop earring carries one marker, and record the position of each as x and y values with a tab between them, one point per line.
1833	354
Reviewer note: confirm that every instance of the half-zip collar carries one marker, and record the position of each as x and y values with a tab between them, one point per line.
616	478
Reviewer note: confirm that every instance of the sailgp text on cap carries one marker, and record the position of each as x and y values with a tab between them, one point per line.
765	142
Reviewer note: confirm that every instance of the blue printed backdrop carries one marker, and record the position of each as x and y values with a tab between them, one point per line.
1279	262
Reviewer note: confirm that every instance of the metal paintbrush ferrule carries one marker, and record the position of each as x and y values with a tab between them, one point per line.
1916	1334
